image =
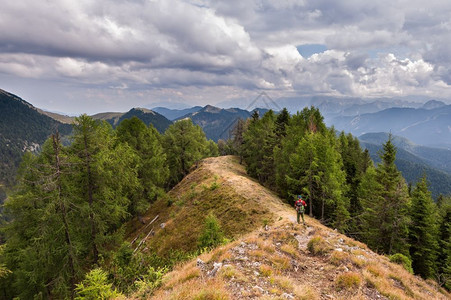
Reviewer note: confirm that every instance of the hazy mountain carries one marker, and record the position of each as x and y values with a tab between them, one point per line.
173	114
429	127
217	122
431	104
22	128
437	158
412	166
146	115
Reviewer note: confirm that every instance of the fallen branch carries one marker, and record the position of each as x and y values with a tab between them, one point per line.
145	227
145	238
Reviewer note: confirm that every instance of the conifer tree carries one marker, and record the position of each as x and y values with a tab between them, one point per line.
258	146
423	231
444	242
386	208
152	167
184	144
105	171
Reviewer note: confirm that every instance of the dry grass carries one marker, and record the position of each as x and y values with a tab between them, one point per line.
196	289
180	276
283	282
279	262
266	270
348	281
257	253
266	246
306	292
289	249
230	272
338	257
318	245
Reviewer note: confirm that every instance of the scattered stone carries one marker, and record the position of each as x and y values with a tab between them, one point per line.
339	249
266	227
259	289
200	264
287	296
216	267
256	273
341	241
162	225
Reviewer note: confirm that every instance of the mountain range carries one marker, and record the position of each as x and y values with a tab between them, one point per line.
428	127
414	161
22	127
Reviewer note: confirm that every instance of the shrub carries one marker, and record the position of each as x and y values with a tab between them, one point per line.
212	234
95	286
348	280
338	257
318	246
403	261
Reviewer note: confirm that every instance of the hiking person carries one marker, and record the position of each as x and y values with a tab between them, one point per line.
300	205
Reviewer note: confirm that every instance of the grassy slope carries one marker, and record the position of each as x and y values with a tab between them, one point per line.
272	263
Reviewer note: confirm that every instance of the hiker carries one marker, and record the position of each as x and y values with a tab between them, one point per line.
300	205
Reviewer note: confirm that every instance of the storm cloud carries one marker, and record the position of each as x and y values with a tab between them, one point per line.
121	54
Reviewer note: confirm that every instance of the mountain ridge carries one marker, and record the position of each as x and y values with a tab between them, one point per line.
272	256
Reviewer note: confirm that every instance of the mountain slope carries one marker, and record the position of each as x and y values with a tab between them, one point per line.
22	127
173	114
430	127
438	158
268	262
146	115
413	168
217	122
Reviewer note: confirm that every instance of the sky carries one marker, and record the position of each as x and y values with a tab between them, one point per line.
110	55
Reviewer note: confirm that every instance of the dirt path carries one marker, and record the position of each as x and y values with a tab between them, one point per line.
235	176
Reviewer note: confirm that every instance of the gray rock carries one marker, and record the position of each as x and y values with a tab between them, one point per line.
216	267
287	296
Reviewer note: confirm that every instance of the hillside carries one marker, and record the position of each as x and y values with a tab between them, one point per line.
270	257
217	122
146	115
429	127
173	114
413	168
438	158
22	128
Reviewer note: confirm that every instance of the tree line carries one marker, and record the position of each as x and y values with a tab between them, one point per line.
70	202
343	188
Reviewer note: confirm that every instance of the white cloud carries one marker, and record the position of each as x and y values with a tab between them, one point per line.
239	46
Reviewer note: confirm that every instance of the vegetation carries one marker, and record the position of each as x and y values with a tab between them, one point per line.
70	204
343	188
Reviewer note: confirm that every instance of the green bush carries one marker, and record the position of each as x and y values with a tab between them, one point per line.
402	260
95	286
212	234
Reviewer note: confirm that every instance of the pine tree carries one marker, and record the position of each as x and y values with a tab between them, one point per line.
423	231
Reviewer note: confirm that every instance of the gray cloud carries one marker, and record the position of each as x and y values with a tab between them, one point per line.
128	49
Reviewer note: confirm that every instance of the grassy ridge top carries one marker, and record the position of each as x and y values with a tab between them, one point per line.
282	261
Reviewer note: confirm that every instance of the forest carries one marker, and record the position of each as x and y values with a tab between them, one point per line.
65	235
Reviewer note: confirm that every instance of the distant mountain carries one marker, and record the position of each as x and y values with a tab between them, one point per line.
429	127
217	122
173	114
22	128
146	115
437	158
432	104
413	167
